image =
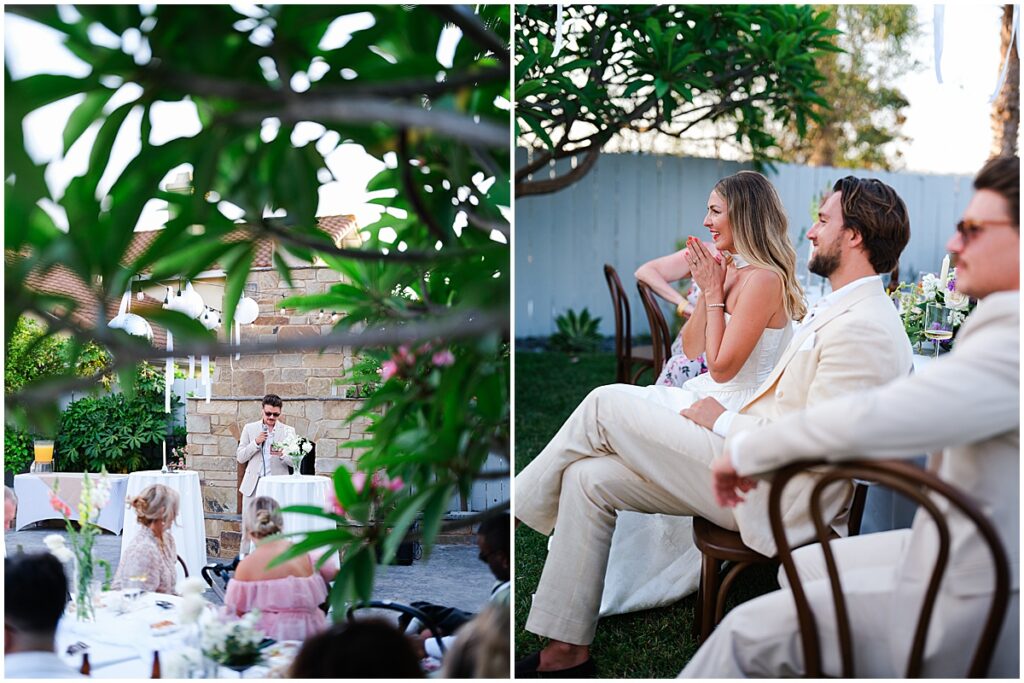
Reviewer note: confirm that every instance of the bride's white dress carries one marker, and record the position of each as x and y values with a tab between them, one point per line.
653	560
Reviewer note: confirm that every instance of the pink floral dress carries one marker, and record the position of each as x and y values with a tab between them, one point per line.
147	557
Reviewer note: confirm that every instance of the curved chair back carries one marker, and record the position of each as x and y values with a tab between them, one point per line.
919	486
660	337
623	329
408	610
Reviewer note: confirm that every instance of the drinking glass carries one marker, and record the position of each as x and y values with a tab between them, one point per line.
938	325
133	588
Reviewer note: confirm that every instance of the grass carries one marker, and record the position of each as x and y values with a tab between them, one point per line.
655	643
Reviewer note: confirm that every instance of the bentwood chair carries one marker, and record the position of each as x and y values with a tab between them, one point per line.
626	355
924	488
718	546
661	340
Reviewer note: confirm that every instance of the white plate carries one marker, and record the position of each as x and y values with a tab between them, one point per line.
166	630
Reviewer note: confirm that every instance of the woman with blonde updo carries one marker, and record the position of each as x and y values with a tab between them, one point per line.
151	555
288	595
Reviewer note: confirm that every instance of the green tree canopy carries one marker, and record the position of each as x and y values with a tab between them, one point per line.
862	127
444	281
671	69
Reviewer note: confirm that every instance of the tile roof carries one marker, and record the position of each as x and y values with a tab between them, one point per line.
343	230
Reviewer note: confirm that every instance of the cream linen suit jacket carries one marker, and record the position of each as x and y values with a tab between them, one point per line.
969	403
856	343
249	451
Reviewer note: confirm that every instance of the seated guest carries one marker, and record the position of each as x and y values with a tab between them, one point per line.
288	595
493	539
151	555
481	650
10	511
35	591
10	507
367	648
884	575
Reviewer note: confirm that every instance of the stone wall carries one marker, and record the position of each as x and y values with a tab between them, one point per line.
314	400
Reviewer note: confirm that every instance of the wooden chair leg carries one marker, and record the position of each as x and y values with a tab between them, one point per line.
708	595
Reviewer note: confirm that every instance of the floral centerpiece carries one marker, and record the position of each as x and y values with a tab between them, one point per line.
912	300
94	497
294	448
176	458
235	643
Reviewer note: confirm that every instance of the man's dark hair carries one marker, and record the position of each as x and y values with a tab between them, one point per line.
367	648
35	592
495	531
273	400
1002	176
874	210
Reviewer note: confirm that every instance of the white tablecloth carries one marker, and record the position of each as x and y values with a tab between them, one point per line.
921	362
122	645
305	489
33	491
189	531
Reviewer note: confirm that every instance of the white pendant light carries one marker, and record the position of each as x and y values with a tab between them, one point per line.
193	305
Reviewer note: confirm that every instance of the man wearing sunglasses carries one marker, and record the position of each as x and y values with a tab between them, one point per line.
964	408
256	447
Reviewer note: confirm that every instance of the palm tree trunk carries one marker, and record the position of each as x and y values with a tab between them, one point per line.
1006	108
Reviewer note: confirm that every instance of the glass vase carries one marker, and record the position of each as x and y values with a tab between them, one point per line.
85	589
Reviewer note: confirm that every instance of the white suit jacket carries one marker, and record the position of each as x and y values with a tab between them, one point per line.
967	402
251	452
856	343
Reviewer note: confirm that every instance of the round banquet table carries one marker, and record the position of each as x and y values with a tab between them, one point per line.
305	489
121	641
189	531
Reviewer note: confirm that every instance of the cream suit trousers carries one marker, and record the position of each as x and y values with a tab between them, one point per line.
761	638
615	452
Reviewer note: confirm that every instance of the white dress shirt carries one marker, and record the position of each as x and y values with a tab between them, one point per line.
37	665
724	421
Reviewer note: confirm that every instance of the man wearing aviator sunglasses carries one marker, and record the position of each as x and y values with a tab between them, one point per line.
973	395
256	447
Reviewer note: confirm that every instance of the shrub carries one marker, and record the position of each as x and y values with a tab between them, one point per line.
576	333
122	432
18	450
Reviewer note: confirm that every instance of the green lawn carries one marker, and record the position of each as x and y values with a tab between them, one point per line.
652	644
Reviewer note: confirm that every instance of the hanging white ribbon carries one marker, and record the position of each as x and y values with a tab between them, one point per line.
168	372
558	30
191	367
1009	47
938	17
204	377
238	337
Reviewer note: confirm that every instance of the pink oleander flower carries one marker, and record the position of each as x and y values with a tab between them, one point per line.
332	503
404	355
395	484
443	358
359	481
59	505
388	369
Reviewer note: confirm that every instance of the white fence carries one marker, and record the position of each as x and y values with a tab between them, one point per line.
632	208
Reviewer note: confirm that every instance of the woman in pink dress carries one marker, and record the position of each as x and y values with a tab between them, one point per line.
289	595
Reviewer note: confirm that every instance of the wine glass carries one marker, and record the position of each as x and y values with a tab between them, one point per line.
938	325
133	588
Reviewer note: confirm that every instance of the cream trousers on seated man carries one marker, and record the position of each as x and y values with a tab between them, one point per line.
761	638
609	452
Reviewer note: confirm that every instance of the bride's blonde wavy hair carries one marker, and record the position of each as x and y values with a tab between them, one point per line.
760	232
